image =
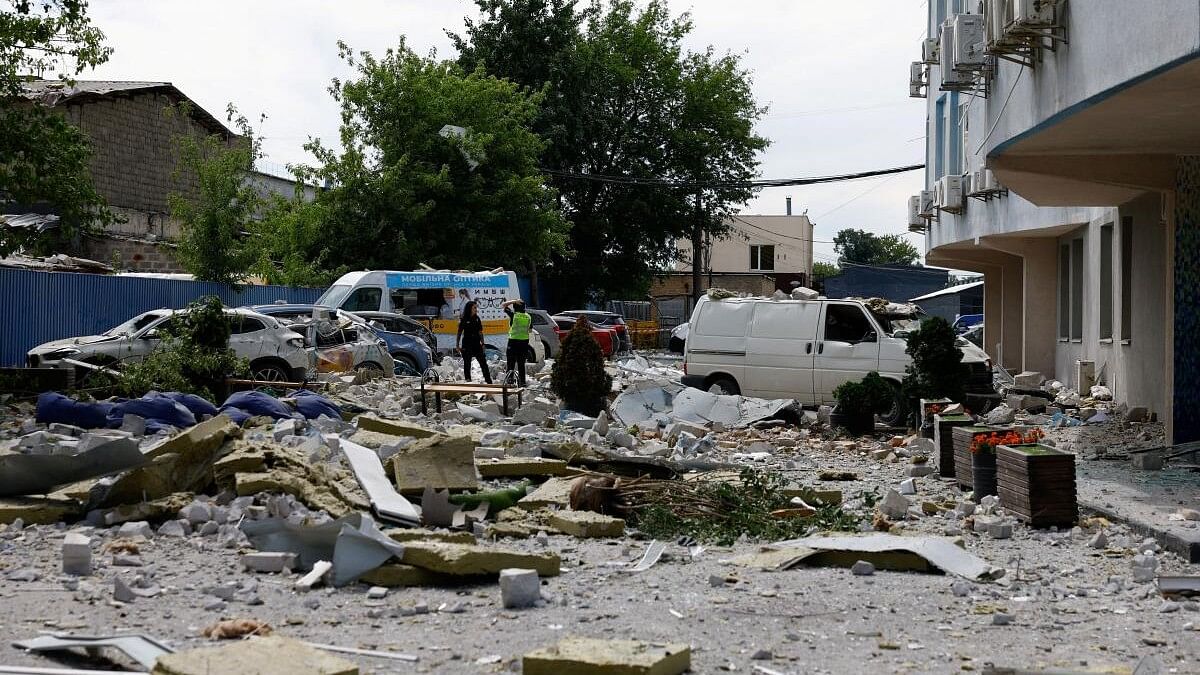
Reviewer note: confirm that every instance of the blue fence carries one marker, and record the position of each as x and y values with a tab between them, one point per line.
37	307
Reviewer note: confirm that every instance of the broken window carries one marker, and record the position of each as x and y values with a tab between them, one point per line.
846	323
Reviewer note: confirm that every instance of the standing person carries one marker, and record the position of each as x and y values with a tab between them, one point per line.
470	341
519	324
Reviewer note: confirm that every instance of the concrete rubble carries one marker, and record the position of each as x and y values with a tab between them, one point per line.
444	537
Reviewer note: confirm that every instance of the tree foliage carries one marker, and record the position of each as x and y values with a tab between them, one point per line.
44	159
867	248
937	370
823	270
623	97
214	216
438	166
578	376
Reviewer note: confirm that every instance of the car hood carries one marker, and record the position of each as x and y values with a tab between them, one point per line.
72	342
971	353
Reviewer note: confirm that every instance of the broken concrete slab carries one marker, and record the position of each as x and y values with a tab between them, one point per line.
889	551
183	463
554	492
251	468
394	427
587	656
36	474
520	467
140	648
471	560
268	655
420	534
155	509
38	510
442	462
270	562
587	524
353	543
385	501
399	575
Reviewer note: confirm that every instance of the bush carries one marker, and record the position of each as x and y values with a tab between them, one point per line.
578	377
871	395
937	370
193	356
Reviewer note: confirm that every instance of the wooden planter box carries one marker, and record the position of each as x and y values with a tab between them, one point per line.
943	440
962	437
1037	484
925	415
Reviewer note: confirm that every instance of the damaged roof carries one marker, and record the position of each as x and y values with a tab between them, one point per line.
58	92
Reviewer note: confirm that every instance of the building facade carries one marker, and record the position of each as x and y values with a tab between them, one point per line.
771	245
1063	160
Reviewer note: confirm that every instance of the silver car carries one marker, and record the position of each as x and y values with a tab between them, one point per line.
275	353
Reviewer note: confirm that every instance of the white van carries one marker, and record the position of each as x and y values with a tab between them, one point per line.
801	349
436	298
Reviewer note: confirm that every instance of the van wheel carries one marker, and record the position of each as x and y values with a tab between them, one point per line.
898	412
723	385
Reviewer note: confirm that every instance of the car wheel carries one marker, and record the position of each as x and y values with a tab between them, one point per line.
725	386
269	371
546	347
405	365
898	412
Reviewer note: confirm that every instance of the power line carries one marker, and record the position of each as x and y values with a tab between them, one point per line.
777	234
763	183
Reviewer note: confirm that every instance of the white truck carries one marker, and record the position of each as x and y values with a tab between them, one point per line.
803	350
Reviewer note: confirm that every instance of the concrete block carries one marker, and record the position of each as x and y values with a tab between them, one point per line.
920	470
264	656
196	513
862	568
1028	379
172	528
419	534
488	453
518	467
587	656
319	570
134	425
77	554
393	427
287	427
1000	530
908	486
472	560
519	588
554	492
269	561
440	462
137	528
376	593
894	505
587	524
1147	461
396	575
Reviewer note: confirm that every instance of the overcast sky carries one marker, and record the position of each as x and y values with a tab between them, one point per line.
834	74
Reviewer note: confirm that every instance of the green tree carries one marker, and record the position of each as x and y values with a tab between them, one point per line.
937	370
44	159
823	270
214	215
438	166
867	248
622	97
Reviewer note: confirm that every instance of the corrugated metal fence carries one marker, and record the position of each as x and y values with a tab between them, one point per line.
37	307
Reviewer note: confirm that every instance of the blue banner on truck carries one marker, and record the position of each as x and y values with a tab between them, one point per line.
439	280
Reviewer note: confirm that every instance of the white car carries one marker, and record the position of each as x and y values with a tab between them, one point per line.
275	353
803	350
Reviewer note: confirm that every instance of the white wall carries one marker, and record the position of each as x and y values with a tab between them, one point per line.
790	235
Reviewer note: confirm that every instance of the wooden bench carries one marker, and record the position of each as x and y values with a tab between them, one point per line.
431	385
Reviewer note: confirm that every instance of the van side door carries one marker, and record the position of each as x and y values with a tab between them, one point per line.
847	347
781	350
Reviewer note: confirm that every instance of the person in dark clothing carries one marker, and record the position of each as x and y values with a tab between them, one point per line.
519	325
470	341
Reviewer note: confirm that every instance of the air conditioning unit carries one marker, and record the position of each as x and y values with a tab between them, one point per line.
965	185
948	195
917	80
970	41
915	222
989	181
978	184
926	209
1000	16
952	79
929	51
1033	13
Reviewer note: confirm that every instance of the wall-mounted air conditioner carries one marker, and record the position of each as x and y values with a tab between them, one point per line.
929	51
978	184
970	42
965	186
1033	13
917	80
999	18
948	195
952	80
915	222
926	209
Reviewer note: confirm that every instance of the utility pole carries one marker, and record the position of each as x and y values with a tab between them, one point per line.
697	250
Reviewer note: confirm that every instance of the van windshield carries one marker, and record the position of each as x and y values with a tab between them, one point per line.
334	296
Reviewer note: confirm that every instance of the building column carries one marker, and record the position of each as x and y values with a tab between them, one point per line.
1184	368
1039	308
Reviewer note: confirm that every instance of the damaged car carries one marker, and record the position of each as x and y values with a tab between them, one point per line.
275	352
342	341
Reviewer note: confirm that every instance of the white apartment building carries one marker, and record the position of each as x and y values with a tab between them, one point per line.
1063	163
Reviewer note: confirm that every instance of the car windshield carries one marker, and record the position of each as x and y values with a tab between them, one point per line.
334	296
135	324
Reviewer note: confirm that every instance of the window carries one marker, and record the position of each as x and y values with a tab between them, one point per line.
239	324
939	139
1127	278
846	323
364	299
1077	289
762	258
1106	282
1064	292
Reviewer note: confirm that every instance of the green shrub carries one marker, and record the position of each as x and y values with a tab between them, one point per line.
937	370
578	376
871	395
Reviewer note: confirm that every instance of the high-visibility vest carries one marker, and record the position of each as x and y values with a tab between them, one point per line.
518	328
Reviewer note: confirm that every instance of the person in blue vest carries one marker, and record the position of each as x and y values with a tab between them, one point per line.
519	325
